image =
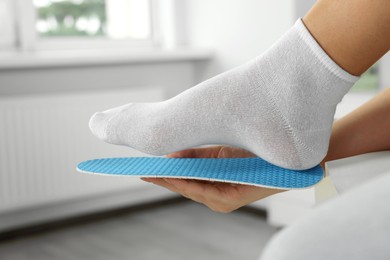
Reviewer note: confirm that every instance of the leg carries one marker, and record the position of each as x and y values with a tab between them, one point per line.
354	33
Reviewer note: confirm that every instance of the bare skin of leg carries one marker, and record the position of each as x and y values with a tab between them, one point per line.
355	34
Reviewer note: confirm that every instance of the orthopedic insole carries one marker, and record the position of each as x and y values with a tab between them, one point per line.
250	171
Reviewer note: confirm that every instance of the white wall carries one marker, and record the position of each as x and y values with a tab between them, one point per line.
236	30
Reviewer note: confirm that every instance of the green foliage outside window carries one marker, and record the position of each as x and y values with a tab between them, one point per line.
369	81
66	17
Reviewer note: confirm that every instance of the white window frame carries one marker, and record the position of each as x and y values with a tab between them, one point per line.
7	25
28	40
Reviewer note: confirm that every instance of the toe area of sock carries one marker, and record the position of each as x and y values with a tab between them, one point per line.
98	125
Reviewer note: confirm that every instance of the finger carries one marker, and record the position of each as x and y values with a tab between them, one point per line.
184	187
230	151
205	152
161	182
219	197
180	154
200	191
166	183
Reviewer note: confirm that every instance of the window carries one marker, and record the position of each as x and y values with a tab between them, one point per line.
113	19
7	39
77	24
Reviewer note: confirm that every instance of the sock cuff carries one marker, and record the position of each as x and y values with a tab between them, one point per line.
317	50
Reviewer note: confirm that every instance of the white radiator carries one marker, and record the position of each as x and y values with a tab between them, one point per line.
43	137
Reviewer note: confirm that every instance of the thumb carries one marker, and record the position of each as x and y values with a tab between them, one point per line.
181	154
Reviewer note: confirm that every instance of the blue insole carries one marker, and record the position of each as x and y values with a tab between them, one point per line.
249	171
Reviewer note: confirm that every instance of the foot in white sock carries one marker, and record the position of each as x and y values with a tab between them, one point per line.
279	106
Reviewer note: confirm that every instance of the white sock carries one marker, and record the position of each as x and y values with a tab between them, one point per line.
279	106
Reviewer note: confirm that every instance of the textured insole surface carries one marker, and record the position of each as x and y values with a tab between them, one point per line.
249	171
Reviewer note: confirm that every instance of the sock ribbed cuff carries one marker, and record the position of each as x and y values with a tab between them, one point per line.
317	50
